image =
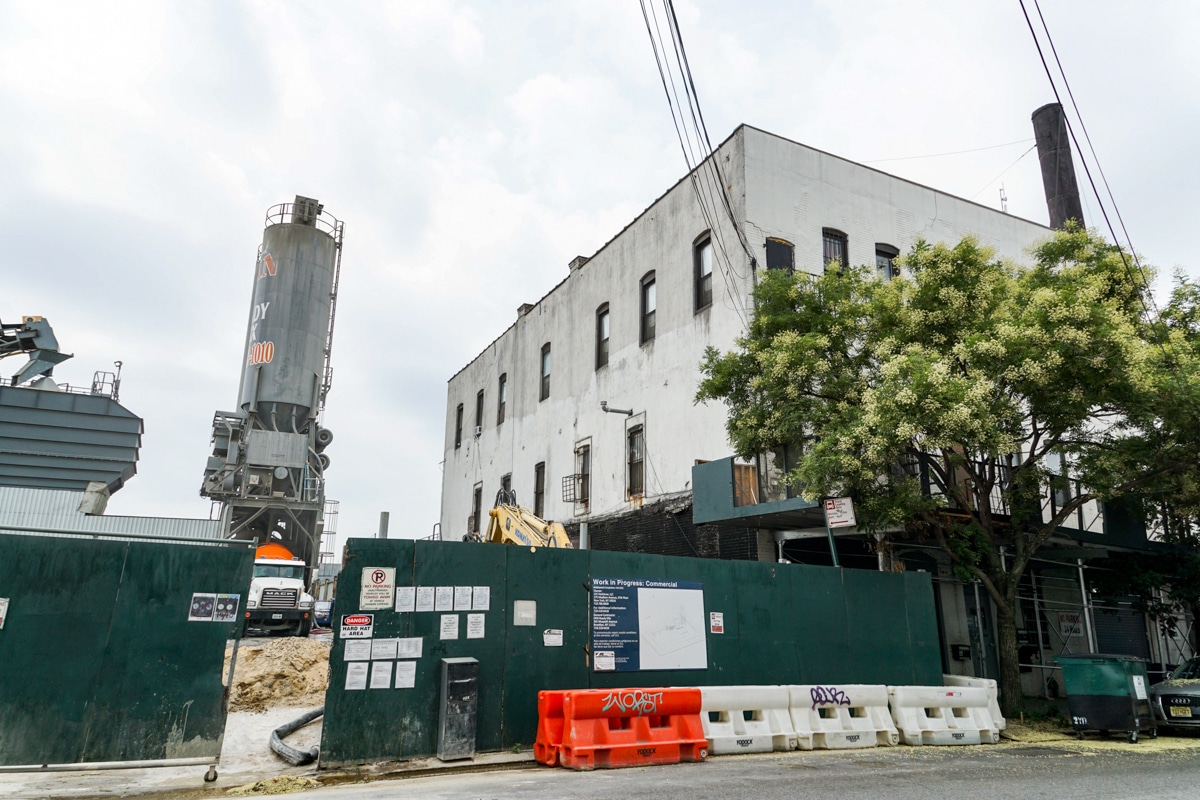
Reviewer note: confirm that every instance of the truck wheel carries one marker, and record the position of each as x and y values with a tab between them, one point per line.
303	627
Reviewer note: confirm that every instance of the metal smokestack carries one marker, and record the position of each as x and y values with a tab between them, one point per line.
1058	171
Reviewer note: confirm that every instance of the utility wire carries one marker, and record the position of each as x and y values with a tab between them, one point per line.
951	153
1087	170
704	171
1004	172
1087	137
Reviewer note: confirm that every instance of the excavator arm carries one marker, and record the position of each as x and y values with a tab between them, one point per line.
509	523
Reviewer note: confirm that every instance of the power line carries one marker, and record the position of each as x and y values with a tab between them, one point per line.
1142	296
951	153
1004	172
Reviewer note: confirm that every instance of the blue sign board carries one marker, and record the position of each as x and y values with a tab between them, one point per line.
643	624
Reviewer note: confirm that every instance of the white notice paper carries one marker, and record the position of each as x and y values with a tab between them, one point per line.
444	599
406	598
449	626
3	611
525	612
605	661
358	649
552	637
482	598
383	649
381	674
356	676
462	598
406	674
409	648
424	598
475	626
1139	687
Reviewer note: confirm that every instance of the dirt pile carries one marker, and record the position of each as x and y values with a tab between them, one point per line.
279	672
283	784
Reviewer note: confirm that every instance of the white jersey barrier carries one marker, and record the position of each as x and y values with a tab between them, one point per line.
746	719
981	683
835	717
942	715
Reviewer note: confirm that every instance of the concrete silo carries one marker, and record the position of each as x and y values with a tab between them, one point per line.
267	469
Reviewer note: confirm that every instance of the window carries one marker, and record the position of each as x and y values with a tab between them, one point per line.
602	336
476	509
545	392
458	426
835	248
703	258
583	473
501	397
649	308
885	261
506	483
479	412
780	255
539	489
637	460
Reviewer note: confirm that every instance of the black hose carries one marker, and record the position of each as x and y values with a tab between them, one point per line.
297	758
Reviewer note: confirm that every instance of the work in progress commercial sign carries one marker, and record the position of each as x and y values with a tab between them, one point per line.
640	624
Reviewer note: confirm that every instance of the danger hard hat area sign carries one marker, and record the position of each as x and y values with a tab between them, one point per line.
358	626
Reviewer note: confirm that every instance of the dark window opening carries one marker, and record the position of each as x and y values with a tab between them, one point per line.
637	461
885	261
545	391
703	259
539	489
649	308
583	474
602	325
835	248
458	414
780	255
506	483
501	398
476	509
479	412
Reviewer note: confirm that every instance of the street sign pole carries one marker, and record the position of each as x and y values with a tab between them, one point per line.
829	533
839	513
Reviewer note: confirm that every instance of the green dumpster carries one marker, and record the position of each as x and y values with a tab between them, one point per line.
1108	693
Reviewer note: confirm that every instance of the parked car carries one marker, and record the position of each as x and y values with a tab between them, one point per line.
323	613
1176	700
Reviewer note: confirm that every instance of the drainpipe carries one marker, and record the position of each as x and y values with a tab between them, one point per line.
1087	609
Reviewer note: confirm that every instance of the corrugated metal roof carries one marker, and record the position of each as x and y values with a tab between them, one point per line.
57	510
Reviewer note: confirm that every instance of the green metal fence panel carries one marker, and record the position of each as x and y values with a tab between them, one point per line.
823	634
779	624
557	580
98	660
368	725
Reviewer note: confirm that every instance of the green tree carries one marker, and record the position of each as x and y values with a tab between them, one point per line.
981	374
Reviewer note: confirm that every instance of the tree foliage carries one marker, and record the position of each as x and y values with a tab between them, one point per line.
945	400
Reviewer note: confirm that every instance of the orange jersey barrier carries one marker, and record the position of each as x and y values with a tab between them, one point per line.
550	727
607	728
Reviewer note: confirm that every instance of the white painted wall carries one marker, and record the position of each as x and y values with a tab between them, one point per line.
781	189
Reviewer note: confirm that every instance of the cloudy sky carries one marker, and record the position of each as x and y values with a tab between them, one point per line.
473	149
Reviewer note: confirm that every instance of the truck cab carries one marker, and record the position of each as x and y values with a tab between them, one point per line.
277	601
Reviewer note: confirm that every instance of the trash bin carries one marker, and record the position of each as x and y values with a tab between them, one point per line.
1108	693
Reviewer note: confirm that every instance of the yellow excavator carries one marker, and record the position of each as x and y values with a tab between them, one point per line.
509	523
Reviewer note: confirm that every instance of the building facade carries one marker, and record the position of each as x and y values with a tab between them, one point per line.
584	406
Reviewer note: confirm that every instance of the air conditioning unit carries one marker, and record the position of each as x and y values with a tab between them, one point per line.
478	431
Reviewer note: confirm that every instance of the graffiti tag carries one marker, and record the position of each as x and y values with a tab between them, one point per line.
828	696
636	701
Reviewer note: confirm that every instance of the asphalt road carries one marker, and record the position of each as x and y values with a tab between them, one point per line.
901	773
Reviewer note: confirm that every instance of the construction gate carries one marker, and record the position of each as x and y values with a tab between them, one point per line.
112	648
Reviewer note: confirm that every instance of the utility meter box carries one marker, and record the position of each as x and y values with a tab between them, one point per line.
458	714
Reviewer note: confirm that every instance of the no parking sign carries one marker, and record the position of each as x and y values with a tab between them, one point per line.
378	587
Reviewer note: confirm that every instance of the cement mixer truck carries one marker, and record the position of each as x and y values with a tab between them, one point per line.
277	601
